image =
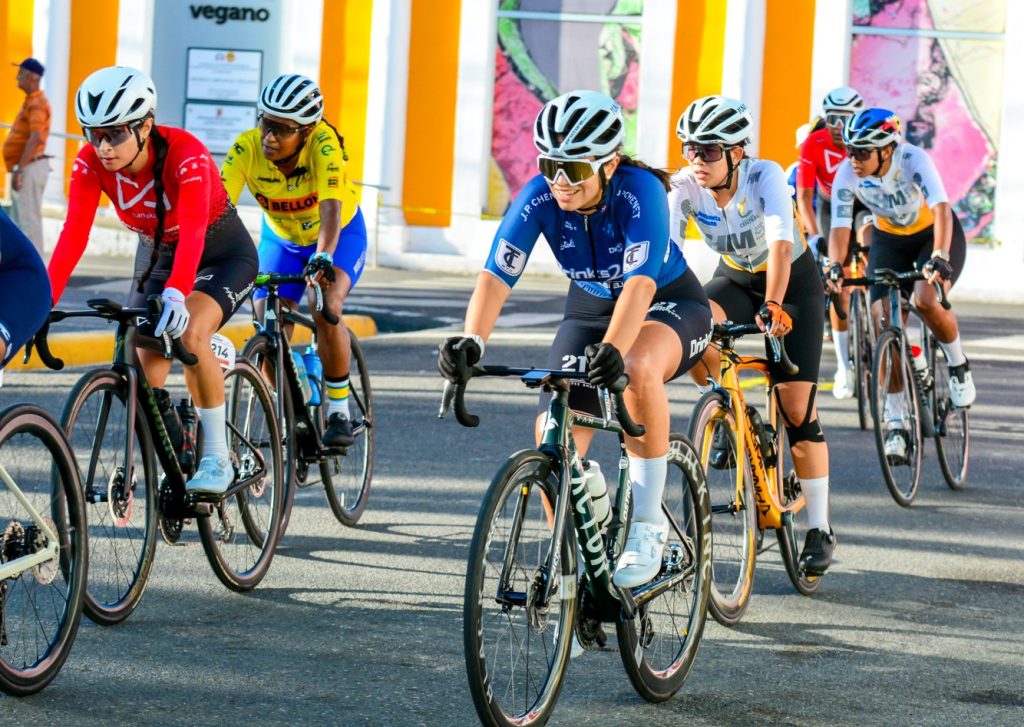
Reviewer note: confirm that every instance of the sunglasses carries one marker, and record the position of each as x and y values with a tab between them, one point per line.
859	153
575	171
837	120
280	131
707	152
113	135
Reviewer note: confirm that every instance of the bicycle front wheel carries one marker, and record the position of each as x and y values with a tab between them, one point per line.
240	535
120	498
347	476
516	646
897	418
658	646
952	425
713	430
45	554
860	350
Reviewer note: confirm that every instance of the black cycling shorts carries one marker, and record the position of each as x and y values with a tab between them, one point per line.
681	305
226	270
823	211
900	252
741	295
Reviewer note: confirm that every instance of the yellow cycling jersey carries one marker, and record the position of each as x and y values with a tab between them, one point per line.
291	205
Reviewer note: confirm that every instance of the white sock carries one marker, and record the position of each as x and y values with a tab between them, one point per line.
215	440
815	491
648	477
703	389
841	343
954	352
337	396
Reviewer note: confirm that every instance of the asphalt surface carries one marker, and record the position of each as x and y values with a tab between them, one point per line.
920	621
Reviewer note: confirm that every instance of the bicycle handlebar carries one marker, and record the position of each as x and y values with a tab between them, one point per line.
454	394
277	279
889	277
777	344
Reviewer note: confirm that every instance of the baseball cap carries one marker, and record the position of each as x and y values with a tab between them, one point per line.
31	64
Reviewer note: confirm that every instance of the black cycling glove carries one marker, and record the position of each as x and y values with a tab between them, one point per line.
320	262
456	358
940	266
604	364
835	273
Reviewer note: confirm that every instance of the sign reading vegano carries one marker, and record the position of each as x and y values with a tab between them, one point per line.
223	75
218	125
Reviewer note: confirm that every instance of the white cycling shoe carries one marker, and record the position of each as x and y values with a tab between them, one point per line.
961	386
641	559
842	386
213	476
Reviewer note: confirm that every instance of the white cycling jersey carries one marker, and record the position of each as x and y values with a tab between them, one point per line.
901	200
759	214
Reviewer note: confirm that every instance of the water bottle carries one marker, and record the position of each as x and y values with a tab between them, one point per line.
172	422
300	369
922	372
189	436
598	490
315	372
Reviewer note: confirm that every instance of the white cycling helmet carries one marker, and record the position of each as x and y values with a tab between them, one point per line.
113	96
716	120
842	100
579	124
294	97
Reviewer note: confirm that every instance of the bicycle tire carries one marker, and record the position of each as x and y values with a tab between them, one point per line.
347	478
241	561
520	484
21	675
123	528
643	638
903	482
733	510
860	347
952	425
255	351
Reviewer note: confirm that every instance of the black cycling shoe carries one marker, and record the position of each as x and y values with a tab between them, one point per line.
817	553
339	431
720	458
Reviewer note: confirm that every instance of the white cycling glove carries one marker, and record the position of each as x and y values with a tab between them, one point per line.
174	319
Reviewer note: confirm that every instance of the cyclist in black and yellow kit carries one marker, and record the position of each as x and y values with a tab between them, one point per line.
294	164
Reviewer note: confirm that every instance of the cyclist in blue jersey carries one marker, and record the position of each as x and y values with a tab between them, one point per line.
24	290
633	306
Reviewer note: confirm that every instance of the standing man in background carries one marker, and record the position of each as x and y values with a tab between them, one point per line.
25	153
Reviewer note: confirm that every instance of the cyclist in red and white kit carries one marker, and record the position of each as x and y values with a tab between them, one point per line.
193	252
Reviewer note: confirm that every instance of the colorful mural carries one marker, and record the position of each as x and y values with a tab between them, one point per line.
948	91
539	59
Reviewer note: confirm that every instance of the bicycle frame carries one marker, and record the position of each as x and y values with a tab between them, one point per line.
11	568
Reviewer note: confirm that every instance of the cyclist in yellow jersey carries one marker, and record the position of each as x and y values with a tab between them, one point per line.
294	164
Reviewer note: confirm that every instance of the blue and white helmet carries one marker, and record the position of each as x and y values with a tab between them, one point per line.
113	96
873	128
579	124
293	97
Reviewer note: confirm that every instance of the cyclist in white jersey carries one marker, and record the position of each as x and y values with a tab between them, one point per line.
914	225
744	211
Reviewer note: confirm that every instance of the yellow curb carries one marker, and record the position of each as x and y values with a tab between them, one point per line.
90	348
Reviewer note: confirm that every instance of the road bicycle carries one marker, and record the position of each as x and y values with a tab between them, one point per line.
744	458
114	423
912	402
43	550
862	334
346	472
526	595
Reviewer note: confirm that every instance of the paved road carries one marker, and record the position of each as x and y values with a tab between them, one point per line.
921	620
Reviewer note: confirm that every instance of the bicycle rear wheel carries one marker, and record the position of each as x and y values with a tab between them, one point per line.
713	431
658	646
240	556
41	601
347	477
897	414
120	501
517	649
860	350
952	425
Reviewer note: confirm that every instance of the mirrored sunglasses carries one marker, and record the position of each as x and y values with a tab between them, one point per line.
279	130
113	135
837	120
707	152
575	171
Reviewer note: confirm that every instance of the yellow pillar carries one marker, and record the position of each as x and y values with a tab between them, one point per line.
430	113
786	80
345	74
15	46
697	72
93	46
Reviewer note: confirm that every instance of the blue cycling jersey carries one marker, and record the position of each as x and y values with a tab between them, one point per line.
627	236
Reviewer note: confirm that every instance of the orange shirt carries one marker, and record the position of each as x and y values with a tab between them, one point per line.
33	116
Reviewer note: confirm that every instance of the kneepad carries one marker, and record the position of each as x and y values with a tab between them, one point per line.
807	430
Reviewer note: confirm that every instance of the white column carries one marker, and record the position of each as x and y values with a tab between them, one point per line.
57	20
744	56
657	53
833	23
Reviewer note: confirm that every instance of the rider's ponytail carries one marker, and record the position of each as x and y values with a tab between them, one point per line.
663	176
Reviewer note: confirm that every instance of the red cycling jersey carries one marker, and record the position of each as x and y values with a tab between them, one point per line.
194	197
819	160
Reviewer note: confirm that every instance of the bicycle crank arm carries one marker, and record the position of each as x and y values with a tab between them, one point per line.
211	498
657	587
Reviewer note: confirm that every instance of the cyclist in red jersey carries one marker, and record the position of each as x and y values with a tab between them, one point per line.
820	156
193	249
